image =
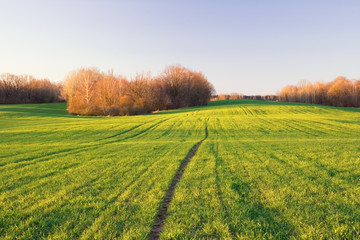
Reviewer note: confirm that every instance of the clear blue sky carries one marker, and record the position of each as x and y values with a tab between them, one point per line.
251	47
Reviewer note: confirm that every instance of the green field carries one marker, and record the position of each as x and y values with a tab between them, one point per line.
267	170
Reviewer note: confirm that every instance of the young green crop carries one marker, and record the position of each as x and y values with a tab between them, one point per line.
267	170
272	171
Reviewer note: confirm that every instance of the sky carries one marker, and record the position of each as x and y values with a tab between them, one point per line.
248	47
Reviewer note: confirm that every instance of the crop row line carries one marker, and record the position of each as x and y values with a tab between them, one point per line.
161	216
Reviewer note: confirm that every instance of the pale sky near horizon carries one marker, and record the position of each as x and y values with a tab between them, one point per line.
249	47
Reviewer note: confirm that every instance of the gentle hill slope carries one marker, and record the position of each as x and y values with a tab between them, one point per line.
266	170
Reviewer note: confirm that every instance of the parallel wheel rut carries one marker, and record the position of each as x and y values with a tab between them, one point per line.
161	216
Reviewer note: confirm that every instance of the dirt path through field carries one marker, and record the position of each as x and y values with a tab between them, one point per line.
160	219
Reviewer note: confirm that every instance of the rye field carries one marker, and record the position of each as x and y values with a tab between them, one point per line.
264	170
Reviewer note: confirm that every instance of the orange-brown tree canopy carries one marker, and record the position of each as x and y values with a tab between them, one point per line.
91	92
27	89
340	92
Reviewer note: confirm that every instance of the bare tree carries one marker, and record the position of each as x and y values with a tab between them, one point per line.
91	92
340	92
27	89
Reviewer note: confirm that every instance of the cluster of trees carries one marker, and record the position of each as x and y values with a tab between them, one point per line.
232	96
27	89
340	92
89	91
235	96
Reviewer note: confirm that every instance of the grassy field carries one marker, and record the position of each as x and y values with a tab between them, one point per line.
267	170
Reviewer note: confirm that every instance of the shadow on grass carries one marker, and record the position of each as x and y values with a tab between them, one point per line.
248	216
21	111
269	222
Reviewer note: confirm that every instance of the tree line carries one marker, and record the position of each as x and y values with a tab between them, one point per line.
340	92
237	96
27	89
89	91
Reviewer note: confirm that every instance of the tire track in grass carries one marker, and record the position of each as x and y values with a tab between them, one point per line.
33	160
114	198
297	125
281	124
88	184
117	195
158	225
304	124
75	150
328	127
102	141
29	160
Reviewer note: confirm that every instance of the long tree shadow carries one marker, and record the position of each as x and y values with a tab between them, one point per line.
246	215
269	222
